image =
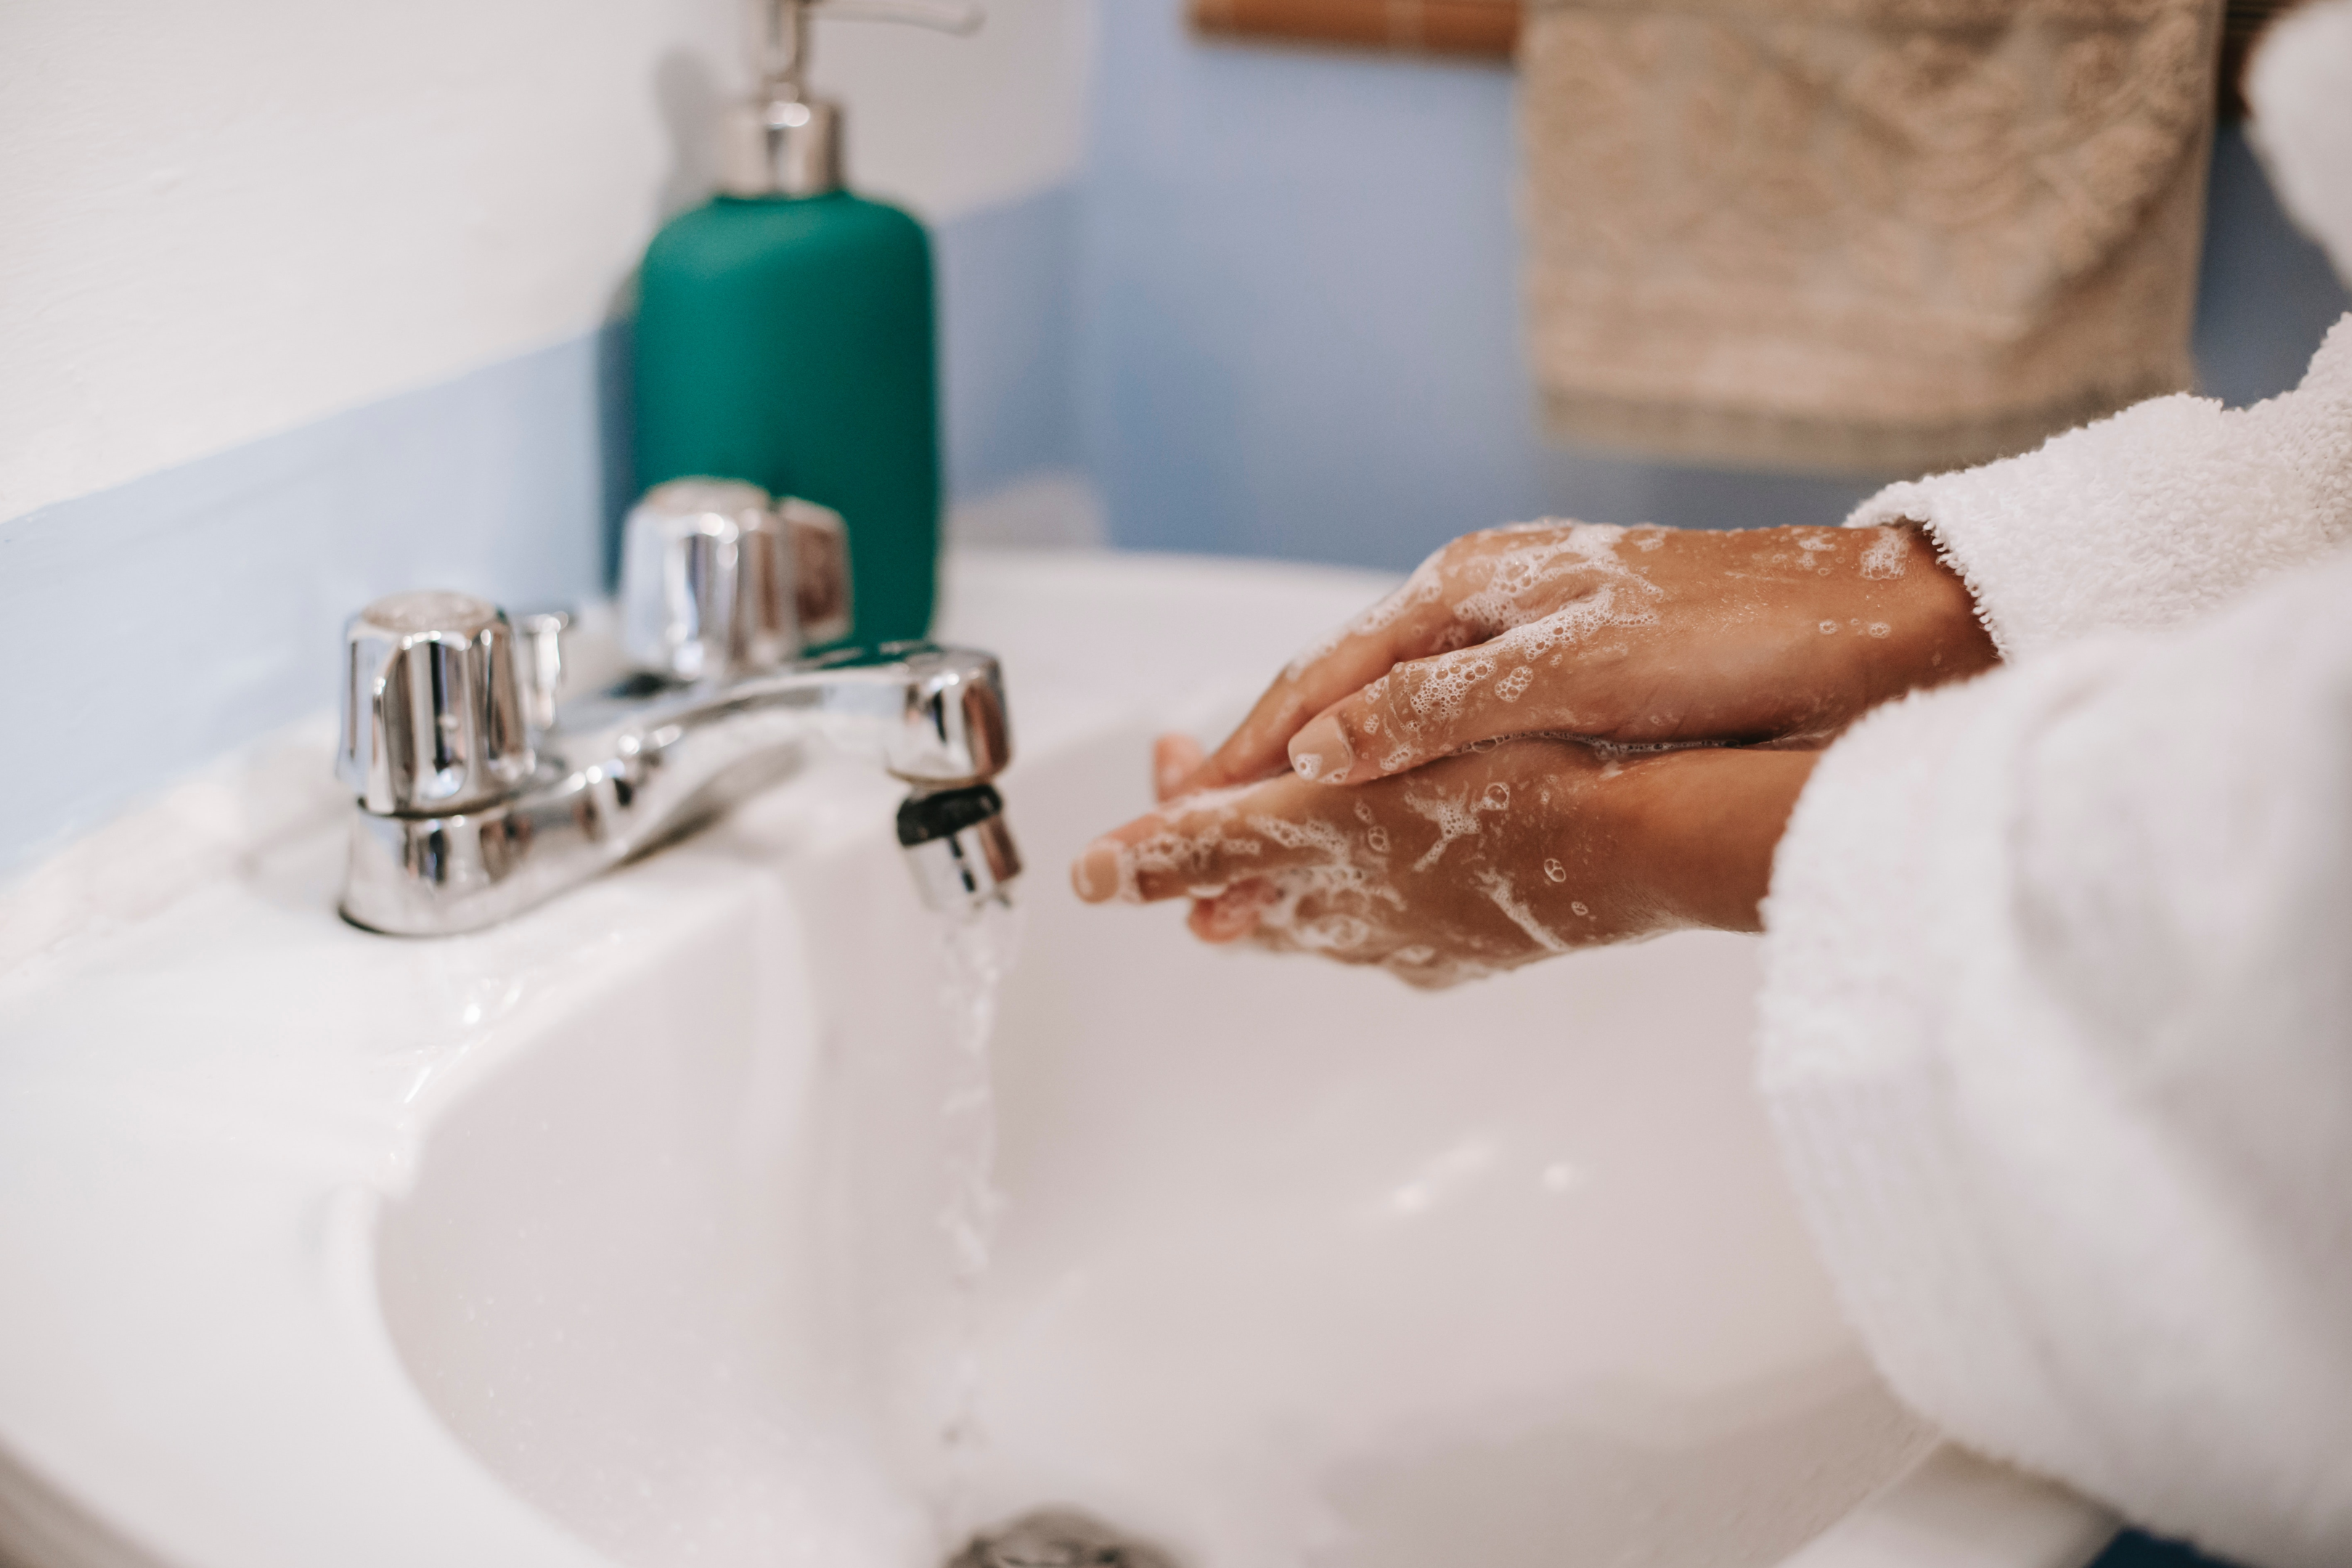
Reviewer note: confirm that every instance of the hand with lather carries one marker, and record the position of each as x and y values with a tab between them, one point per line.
1662	693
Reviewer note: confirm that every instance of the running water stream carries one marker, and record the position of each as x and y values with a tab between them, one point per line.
979	946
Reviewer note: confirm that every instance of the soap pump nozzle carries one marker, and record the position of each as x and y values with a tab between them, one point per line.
786	142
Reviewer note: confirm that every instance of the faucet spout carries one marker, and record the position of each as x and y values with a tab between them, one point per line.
636	767
932	716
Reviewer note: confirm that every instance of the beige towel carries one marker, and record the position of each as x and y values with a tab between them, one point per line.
1868	234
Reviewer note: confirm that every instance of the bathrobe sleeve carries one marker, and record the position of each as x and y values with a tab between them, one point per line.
2057	1041
2147	518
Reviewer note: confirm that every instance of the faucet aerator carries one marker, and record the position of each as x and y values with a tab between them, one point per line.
958	845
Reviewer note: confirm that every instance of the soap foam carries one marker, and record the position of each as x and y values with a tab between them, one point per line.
1193	837
1455	816
1526	592
1885	557
1497	887
1520	613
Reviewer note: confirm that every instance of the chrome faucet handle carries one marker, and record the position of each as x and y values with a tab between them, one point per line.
434	715
704	582
716	581
819	543
544	672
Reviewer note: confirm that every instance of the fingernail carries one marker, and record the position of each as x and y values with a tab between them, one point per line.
1094	874
1321	751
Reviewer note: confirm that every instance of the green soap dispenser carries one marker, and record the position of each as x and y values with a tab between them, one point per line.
786	337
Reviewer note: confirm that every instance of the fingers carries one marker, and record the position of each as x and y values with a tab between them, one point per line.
1532	678
1414	621
1174	759
1197	846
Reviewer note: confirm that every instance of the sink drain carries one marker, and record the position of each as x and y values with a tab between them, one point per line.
1058	1538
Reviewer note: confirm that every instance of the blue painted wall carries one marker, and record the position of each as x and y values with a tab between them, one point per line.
2267	294
1008	280
150	627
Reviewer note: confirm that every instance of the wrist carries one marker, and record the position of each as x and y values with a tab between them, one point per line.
1918	623
1707	824
1949	638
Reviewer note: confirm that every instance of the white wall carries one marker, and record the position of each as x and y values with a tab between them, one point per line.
229	220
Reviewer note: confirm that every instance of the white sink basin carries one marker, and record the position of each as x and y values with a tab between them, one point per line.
612	1235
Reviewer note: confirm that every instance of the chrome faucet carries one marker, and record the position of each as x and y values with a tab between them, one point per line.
479	796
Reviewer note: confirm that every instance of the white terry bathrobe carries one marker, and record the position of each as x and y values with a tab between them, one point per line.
2057	1026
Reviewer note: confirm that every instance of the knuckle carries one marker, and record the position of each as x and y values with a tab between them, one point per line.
1433	695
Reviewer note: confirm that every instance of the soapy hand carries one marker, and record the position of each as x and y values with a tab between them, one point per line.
1470	865
1634	636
